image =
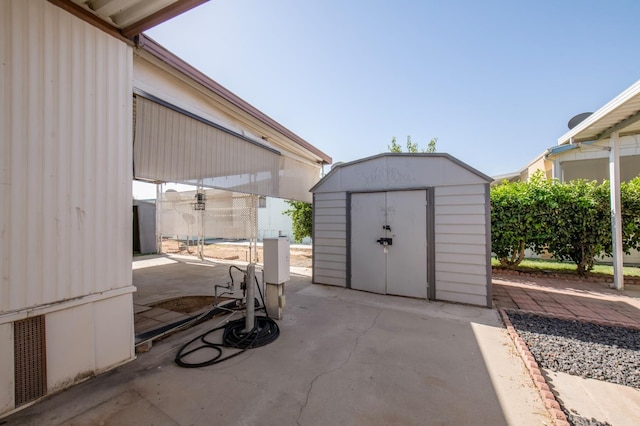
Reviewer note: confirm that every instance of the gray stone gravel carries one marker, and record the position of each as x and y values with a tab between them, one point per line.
582	349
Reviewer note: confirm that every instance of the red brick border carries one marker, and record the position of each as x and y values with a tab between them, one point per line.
558	416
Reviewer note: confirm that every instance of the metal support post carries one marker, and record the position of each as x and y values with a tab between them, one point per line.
616	209
251	290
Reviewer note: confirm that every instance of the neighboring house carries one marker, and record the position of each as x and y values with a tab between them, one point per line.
272	222
587	155
88	104
608	139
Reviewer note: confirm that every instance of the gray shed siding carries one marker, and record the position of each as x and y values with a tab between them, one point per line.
461	243
330	238
459	258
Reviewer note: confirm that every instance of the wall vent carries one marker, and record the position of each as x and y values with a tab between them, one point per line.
30	359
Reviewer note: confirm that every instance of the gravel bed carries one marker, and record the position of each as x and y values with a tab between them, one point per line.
582	349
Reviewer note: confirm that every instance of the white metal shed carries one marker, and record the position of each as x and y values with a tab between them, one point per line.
416	225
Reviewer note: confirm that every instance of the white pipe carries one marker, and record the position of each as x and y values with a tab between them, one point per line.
251	286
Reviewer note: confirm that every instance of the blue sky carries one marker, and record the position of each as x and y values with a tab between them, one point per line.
494	81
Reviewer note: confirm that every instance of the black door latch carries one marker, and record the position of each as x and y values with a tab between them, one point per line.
385	241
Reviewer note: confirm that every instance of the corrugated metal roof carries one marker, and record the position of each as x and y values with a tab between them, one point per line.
621	114
127	18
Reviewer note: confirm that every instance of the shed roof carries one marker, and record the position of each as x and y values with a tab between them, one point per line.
399	171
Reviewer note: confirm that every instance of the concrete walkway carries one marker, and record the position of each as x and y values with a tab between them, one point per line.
343	358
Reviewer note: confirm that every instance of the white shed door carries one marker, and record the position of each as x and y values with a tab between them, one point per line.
400	267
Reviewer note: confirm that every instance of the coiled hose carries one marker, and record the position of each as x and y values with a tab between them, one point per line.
264	331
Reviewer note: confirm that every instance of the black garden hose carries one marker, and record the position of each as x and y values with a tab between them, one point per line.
264	331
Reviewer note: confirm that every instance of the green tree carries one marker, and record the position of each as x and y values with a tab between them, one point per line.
301	214
412	147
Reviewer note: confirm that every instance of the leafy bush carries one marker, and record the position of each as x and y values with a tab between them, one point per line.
301	214
578	215
517	219
571	220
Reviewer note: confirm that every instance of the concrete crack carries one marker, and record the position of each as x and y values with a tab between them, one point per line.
324	373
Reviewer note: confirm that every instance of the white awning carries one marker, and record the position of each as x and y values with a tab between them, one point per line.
619	117
622	115
173	145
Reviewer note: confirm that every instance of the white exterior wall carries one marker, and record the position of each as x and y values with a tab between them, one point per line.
461	243
7	383
330	238
65	185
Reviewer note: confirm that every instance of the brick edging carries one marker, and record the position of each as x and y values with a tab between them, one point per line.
550	401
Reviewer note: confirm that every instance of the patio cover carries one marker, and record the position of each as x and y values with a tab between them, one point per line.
619	117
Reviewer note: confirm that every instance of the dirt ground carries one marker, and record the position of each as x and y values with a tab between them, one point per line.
299	257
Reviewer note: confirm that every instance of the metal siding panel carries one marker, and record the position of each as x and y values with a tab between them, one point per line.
325	257
323	272
334	266
67	178
330	227
460	229
333	211
474	290
5	134
330	242
341	282
332	234
464	249
449	259
470	265
458	199
460	190
451	296
327	196
321	249
471	208
332	203
460	219
459	239
331	219
472	279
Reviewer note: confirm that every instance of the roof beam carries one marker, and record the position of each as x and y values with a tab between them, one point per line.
128	33
172	10
87	16
621	125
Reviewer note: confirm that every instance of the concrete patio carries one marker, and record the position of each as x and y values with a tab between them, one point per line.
343	357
